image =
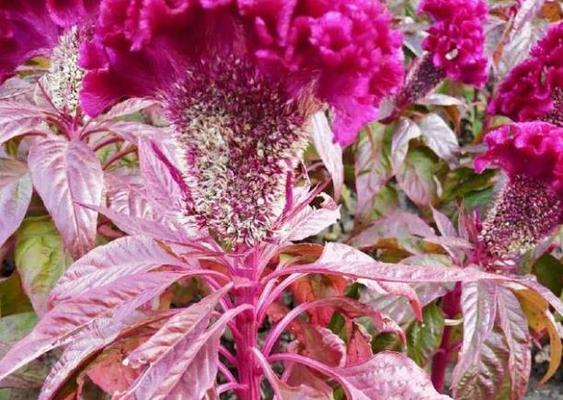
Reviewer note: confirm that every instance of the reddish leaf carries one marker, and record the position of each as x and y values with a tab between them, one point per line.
322	345
359	346
439	137
108	371
15	196
67	174
315	287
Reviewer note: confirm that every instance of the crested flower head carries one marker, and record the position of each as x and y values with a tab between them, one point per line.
239	81
30	28
533	90
456	38
343	51
532	149
530	206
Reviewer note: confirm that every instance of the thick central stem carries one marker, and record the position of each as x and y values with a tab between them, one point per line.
249	372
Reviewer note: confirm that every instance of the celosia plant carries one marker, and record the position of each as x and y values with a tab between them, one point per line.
168	226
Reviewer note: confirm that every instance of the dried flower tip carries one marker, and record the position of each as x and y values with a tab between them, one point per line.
240	136
63	82
526	211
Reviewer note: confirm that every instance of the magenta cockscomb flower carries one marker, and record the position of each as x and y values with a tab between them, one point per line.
30	28
533	90
454	48
239	82
343	52
530	206
456	38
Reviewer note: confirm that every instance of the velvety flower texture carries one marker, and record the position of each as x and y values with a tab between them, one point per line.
456	38
30	28
533	90
530	205
343	52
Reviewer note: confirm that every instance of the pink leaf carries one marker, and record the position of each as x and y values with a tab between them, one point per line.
58	326
67	174
14	88
194	319
397	307
345	260
386	376
329	151
132	212
444	224
406	131
163	180
18	119
133	131
479	307
188	369
15	195
373	171
398	224
86	342
103	265
311	221
514	325
128	107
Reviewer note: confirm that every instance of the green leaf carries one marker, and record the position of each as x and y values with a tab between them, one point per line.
386	341
13	329
549	271
465	181
416	176
40	259
423	338
13	300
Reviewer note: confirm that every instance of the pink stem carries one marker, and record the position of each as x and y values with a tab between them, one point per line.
230	386
266	301
249	371
451	307
225	371
228	355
